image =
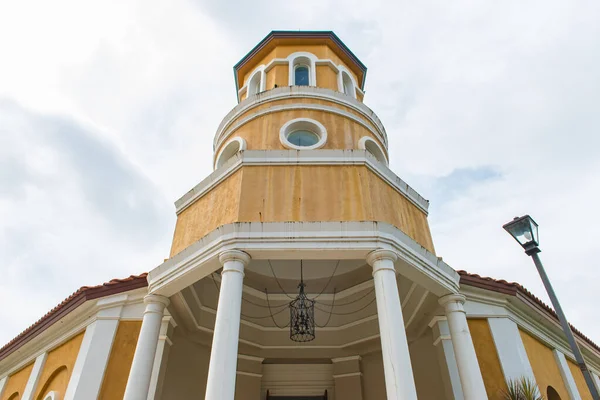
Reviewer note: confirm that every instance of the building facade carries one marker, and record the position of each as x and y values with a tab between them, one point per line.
301	268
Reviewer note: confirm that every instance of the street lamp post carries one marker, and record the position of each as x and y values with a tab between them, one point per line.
525	231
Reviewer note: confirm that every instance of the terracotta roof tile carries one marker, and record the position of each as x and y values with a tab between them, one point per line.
514	289
82	295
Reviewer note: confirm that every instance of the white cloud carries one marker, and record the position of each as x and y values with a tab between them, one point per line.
490	107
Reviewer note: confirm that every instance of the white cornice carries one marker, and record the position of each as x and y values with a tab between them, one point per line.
308	240
304	157
298	92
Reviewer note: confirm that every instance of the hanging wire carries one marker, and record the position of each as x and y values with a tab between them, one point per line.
350	312
330	313
349	302
258	304
271	314
329	281
277	280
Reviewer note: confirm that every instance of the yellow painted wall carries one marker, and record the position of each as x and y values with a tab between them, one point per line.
544	365
262	133
326	77
16	383
219	207
301	193
58	368
487	357
278	75
584	392
119	363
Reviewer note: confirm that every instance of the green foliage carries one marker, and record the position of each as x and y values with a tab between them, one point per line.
522	389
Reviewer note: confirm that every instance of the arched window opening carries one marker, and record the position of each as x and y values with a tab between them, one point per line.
51	396
254	84
552	394
14	396
233	147
348	84
301	75
368	144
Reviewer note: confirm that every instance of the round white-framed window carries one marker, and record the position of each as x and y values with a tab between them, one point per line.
303	134
370	145
230	149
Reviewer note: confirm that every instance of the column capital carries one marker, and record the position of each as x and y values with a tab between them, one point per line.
234	255
156	299
381	254
453	302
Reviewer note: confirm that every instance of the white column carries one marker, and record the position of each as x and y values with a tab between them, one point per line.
161	357
399	379
443	344
595	376
223	355
138	382
34	377
464	351
566	374
88	371
510	348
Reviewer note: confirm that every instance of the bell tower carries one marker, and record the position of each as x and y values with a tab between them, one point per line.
300	146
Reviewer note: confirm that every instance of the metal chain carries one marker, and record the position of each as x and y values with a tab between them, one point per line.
328	318
329	281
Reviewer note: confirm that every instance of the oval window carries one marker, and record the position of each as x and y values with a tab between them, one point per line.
303	138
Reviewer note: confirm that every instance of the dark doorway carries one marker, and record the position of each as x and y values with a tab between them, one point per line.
323	397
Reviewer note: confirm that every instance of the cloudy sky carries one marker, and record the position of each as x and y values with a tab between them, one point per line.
108	110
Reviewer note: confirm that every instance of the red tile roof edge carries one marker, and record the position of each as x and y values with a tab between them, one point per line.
82	295
517	290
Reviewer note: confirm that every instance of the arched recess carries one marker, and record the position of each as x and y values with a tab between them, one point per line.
230	149
14	396
57	378
368	144
299	60
256	82
552	394
346	82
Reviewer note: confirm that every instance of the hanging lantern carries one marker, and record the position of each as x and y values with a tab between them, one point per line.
302	315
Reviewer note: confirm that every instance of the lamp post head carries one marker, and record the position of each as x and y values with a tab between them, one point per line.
525	231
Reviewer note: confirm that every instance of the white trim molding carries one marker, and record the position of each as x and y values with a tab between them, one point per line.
226	129
309	240
510	348
306	124
52	396
566	374
3	385
302	58
307	157
34	377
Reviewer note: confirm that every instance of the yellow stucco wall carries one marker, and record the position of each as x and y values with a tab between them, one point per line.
58	368
584	392
326	77
119	363
301	193
218	207
321	51
487	357
262	132
544	365
278	75
16	383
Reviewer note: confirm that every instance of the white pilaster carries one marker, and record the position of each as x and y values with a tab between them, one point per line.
3	385
34	377
443	343
399	379
466	360
90	365
161	357
138	383
510	348
223	356
566	374
596	379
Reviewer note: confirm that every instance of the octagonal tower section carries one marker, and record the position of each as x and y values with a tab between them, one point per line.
300	146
